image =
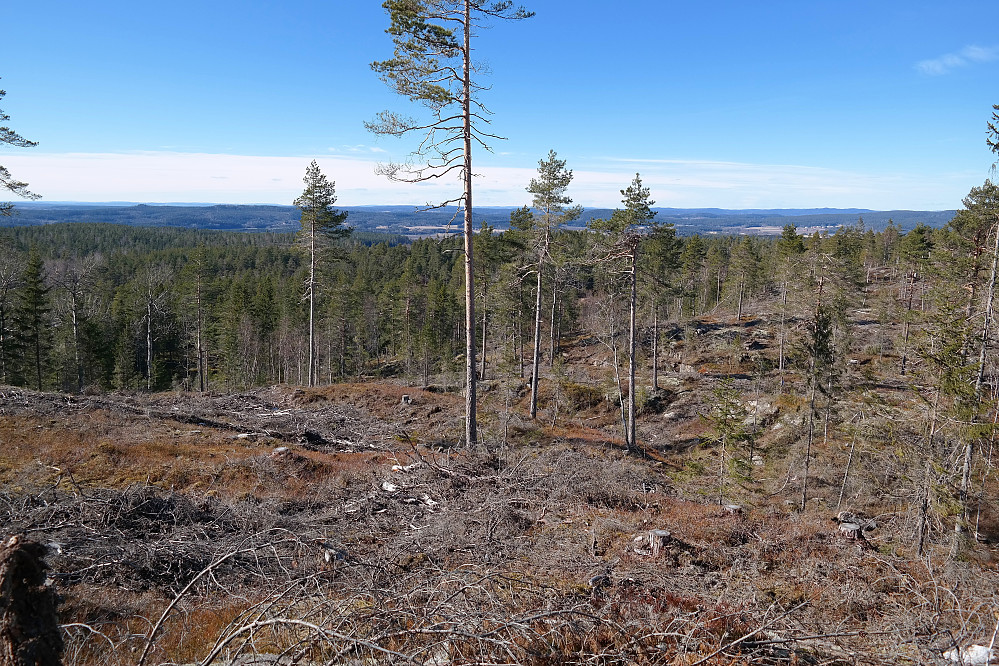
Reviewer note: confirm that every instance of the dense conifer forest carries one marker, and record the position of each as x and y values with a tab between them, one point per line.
104	307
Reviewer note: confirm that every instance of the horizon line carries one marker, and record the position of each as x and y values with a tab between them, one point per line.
424	207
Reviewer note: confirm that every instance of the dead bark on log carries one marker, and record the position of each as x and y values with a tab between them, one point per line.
29	626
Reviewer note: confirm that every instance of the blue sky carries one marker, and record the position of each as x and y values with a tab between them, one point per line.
727	104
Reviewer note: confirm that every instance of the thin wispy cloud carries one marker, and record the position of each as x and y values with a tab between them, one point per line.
948	62
358	149
707	183
217	178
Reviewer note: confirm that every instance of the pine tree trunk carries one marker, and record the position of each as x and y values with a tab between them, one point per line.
471	428
343	348
409	339
961	521
655	346
76	343
905	326
631	440
537	341
520	337
617	379
149	346
329	355
558	327
551	341
482	361
813	370
930	437
721	471
924	510
312	304
808	446
825	412
783	333
846	473
201	351
3	349
987	322
742	291
3	343
972	282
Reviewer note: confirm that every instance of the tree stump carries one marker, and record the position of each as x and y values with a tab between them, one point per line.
851	531
658	540
29	626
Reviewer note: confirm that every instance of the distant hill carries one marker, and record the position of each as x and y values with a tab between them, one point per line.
413	222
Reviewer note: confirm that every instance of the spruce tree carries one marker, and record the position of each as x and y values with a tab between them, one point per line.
31	322
10	277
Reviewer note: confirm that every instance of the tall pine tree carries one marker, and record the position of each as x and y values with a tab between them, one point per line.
432	65
320	224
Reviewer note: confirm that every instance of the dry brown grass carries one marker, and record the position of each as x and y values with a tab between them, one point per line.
506	536
381	399
97	451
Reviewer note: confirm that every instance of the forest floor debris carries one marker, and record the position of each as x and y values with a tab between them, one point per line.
477	552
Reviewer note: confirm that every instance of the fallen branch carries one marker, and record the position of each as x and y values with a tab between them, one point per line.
159	623
327	635
737	641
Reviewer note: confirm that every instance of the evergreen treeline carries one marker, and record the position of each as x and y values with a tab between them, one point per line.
105	307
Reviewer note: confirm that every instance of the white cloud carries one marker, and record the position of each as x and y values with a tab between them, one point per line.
980	54
160	177
358	149
185	177
703	183
950	61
